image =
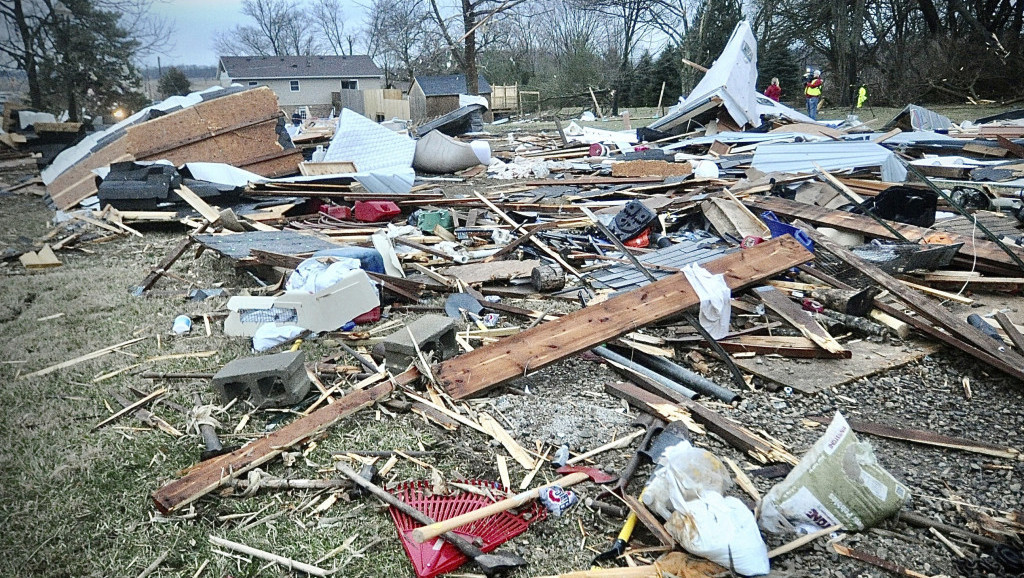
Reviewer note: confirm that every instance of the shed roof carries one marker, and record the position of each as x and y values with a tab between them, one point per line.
450	85
254	67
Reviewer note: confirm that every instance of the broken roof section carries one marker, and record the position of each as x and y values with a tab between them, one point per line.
915	118
730	82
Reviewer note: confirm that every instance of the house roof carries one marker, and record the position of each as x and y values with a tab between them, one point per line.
453	84
257	67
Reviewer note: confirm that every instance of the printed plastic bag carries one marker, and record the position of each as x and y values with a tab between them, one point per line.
838	481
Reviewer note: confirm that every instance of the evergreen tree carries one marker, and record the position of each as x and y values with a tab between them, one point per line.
716	20
779	61
91	63
174	82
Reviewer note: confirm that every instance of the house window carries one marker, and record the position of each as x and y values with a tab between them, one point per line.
349	84
302	113
253	83
295	85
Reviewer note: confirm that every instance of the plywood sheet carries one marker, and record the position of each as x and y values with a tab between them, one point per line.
812	375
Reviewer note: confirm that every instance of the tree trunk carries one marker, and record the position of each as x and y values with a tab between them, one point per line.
469	53
35	93
931	15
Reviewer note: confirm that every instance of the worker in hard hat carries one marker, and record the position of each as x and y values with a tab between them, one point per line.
812	91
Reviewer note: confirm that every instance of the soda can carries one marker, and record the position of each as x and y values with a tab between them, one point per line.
557	499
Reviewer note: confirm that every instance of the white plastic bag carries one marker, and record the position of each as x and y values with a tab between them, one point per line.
715	299
686	490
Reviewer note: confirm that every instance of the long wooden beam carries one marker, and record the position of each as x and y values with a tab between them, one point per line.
986	250
1009	361
475	372
209	475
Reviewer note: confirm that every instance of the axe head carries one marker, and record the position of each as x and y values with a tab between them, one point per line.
672	434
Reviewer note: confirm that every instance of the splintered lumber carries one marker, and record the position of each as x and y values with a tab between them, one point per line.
782	345
927	438
798	318
475	372
167	261
130	408
1011	330
202	207
209	475
987	251
876	561
287	563
762	450
1009	362
81	358
44	259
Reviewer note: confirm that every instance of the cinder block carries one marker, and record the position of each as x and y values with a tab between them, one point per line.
276	380
434	333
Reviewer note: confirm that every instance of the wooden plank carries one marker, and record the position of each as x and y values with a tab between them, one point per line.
167	261
511	445
209	475
1016	149
814	375
194	201
782	345
43	259
1012	363
486	367
797	317
1011	330
925	437
733	433
130	408
80	359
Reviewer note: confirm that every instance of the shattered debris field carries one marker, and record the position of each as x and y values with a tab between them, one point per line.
198	362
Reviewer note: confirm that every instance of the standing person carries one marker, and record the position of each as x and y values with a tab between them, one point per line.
812	90
774	91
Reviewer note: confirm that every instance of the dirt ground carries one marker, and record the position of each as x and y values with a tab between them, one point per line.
75	502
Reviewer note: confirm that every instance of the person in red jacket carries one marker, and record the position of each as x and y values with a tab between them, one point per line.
774	91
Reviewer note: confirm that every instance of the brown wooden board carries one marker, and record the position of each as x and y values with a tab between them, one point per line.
925	437
481	369
209	475
733	433
986	250
493	271
797	317
811	375
783	345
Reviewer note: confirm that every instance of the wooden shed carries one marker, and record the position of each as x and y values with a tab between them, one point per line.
433	96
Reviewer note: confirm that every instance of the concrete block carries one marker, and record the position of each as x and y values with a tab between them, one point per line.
276	380
433	333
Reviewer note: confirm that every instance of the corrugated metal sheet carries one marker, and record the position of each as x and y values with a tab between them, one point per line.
800	157
626	277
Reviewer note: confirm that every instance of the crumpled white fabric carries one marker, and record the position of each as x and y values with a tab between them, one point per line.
269	335
312	275
715	299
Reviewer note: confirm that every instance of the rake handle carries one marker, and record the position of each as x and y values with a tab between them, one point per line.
429	531
452	538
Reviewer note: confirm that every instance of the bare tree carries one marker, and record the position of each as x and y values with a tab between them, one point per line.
330	22
471	14
398	36
278	29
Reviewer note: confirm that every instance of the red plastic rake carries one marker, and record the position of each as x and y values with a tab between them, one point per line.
436	556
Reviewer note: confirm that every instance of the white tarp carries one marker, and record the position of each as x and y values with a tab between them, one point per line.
732	79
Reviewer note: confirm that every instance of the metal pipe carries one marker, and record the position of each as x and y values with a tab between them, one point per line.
698	382
649	374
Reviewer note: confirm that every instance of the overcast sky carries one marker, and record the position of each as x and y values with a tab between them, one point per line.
199	22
